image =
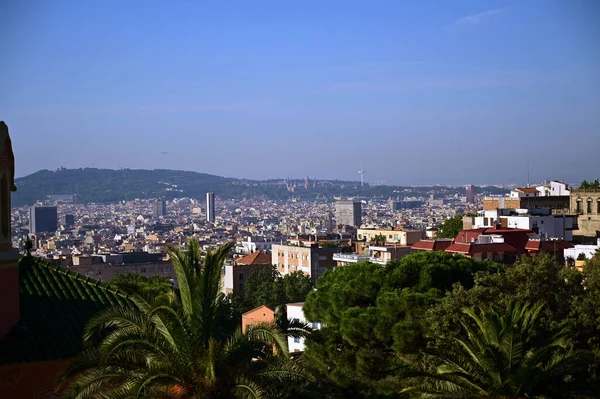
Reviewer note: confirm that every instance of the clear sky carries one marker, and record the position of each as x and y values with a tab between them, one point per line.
420	92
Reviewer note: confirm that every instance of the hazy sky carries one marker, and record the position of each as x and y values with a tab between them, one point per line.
418	91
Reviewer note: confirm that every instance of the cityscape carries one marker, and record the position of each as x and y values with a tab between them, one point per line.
281	201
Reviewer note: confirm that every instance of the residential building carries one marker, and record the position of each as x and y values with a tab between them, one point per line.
237	273
259	315
586	204
397	235
554	188
588	250
309	258
295	311
43	219
348	213
540	221
381	254
159	208
210	207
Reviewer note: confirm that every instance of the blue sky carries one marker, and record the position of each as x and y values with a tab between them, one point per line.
420	92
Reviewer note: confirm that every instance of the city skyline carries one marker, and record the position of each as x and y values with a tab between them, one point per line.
433	93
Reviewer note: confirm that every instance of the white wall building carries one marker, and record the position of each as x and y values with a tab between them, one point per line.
295	311
553	188
543	224
588	250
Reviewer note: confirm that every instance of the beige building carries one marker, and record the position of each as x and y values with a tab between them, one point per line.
394	236
259	315
586	204
310	259
236	274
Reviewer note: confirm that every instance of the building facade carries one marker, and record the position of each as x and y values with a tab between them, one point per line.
311	260
348	213
586	205
159	208
210	207
43	219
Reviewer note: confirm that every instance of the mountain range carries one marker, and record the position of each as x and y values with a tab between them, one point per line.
91	185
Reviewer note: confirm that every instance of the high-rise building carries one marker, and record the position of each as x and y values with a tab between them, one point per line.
471	194
159	208
348	213
68	220
210	207
43	219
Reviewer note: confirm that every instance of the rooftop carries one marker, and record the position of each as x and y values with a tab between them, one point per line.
55	305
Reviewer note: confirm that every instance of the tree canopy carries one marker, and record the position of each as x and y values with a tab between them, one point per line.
182	349
451	227
268	287
374	317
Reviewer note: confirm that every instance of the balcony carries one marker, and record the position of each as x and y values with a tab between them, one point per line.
355	258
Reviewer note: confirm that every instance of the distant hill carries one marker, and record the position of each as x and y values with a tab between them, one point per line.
90	185
107	185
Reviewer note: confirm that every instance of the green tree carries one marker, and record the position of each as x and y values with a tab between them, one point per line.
541	279
504	358
373	318
268	287
158	287
378	238
184	349
451	227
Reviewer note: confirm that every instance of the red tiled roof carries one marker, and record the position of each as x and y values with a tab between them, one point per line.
432	245
517	238
255	258
473	248
548	246
528	190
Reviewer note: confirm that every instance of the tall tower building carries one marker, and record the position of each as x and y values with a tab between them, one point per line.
210	207
159	208
348	213
471	194
43	219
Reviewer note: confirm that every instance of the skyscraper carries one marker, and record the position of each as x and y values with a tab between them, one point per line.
348	213
43	219
470	194
159	208
210	207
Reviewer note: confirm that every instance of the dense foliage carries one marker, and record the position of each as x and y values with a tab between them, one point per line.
268	287
186	348
502	356
157	287
451	227
374	318
594	185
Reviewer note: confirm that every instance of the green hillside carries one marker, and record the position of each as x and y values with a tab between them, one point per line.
90	185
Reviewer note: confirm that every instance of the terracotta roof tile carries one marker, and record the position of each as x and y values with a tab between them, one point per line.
255	258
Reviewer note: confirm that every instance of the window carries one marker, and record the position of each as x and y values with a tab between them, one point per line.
241	286
296	340
598	208
589	207
241	276
579	206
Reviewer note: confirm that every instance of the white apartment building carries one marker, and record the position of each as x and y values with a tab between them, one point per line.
542	223
588	250
295	311
553	188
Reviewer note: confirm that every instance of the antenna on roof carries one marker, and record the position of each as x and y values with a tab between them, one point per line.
362	172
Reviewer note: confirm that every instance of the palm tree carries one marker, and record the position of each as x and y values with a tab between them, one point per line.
503	358
180	349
